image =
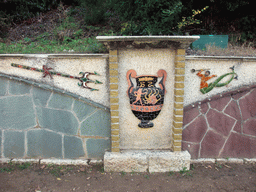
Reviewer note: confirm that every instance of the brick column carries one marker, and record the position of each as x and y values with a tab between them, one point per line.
178	99
114	106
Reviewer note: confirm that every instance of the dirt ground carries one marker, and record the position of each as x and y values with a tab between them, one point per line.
55	178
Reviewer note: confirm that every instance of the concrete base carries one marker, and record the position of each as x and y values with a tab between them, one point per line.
143	161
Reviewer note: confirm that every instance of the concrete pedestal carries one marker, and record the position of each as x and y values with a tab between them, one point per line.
146	161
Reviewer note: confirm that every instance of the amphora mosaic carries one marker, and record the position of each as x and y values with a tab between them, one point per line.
146	100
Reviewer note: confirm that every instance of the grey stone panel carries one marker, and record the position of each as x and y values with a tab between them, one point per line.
82	109
40	96
44	144
60	101
73	147
17	112
18	88
14	144
96	148
57	120
3	86
97	125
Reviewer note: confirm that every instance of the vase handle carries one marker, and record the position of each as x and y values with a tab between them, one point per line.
129	74
162	73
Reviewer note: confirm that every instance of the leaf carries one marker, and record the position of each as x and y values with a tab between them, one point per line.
58	179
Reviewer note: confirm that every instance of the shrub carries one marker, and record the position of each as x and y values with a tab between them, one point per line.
148	17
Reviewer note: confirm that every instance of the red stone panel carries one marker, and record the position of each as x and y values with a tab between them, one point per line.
238	127
195	131
192	148
248	105
204	107
233	110
220	122
211	145
189	115
240	146
249	127
219	104
239	95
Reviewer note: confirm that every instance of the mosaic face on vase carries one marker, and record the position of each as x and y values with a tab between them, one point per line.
146	100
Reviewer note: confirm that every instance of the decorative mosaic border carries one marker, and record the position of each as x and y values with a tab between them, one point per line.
114	106
178	99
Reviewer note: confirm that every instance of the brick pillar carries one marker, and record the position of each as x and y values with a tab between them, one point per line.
178	99
114	106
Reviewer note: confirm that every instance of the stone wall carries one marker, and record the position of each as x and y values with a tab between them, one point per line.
223	126
38	121
44	118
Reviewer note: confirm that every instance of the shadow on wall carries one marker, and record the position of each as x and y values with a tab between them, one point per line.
224	127
44	123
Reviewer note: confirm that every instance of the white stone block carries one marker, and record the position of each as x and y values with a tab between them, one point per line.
25	160
221	160
5	160
246	160
127	162
169	161
64	161
93	162
235	160
143	161
203	160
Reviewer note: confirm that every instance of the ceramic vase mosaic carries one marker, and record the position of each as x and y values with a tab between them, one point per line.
146	100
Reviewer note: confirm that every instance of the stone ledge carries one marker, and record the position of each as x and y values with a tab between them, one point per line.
53	161
63	55
64	161
233	58
143	161
203	160
177	42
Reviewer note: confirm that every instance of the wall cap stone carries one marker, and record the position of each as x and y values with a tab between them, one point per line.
55	55
147	41
240	58
146	38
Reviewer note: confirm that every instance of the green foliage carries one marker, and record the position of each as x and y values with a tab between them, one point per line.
186	21
218	165
224	17
94	12
24	166
6	169
123	173
152	17
171	173
68	45
4	23
184	171
23	9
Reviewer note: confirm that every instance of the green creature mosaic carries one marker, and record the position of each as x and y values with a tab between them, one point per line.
205	87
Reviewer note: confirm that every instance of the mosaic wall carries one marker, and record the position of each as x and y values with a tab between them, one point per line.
223	126
45	123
